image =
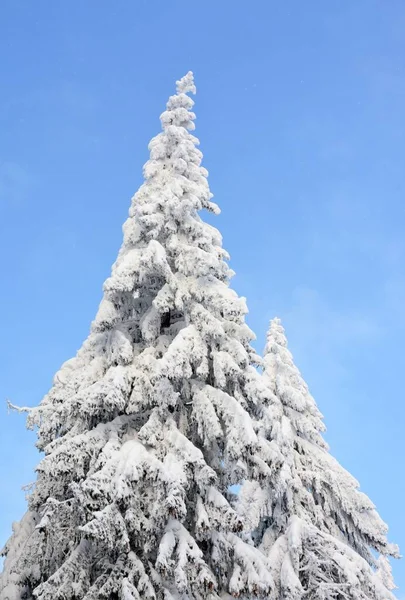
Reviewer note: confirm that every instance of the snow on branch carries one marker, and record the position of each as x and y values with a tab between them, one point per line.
19	409
186	84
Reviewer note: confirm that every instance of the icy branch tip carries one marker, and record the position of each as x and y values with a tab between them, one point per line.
186	84
19	409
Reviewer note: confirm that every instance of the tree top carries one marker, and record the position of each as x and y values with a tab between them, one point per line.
186	84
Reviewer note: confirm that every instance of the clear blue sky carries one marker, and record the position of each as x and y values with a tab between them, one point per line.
301	118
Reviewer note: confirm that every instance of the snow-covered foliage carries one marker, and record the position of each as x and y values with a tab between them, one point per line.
384	572
162	411
148	426
318	530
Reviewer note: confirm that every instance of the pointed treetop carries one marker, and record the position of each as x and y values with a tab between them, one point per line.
186	84
275	333
178	110
289	386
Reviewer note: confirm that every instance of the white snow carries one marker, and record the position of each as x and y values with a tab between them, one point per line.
145	430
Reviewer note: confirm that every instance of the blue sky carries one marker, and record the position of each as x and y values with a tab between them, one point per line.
301	118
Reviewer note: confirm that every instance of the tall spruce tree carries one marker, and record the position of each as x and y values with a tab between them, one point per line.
146	429
320	533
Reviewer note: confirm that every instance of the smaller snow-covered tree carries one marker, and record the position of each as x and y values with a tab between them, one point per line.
318	530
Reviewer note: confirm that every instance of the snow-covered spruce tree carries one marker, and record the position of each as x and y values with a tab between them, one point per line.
146	429
320	533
